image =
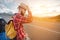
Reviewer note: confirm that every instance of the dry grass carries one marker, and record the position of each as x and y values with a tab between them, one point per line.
47	19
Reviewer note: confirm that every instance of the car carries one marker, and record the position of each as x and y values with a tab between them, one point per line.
2	29
2	25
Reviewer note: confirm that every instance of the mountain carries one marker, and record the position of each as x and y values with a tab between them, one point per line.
9	13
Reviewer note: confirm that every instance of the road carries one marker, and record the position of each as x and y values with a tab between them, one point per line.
41	30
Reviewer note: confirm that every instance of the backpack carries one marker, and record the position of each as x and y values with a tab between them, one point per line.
9	28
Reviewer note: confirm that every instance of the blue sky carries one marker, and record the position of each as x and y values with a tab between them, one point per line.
40	8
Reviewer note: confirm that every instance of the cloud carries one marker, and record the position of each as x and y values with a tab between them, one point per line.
3	8
45	5
8	1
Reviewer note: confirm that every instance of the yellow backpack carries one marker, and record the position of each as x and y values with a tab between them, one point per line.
10	32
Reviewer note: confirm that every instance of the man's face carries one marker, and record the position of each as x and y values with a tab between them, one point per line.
22	10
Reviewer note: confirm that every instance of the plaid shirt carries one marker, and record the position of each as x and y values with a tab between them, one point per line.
18	20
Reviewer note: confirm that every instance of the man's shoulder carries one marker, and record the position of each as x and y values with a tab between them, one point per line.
18	15
15	13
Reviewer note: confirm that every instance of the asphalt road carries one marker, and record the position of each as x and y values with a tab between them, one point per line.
43	30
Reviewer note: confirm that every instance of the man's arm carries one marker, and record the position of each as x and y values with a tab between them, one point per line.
29	18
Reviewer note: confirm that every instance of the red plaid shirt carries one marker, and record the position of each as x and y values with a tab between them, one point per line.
18	20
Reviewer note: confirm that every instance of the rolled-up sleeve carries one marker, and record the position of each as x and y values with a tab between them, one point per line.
25	20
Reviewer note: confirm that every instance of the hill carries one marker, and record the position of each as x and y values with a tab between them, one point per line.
48	19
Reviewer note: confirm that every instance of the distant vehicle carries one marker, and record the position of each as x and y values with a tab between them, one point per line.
2	29
2	25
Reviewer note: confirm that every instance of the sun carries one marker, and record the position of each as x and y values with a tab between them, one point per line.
43	11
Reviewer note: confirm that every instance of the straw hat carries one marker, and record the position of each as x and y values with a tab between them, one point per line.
22	5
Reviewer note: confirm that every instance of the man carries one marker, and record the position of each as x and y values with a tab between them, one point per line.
19	19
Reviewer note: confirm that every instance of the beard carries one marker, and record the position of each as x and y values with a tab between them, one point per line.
22	13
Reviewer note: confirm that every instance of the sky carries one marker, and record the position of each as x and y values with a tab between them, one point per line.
40	8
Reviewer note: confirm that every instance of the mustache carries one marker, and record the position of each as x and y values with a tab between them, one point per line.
22	13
